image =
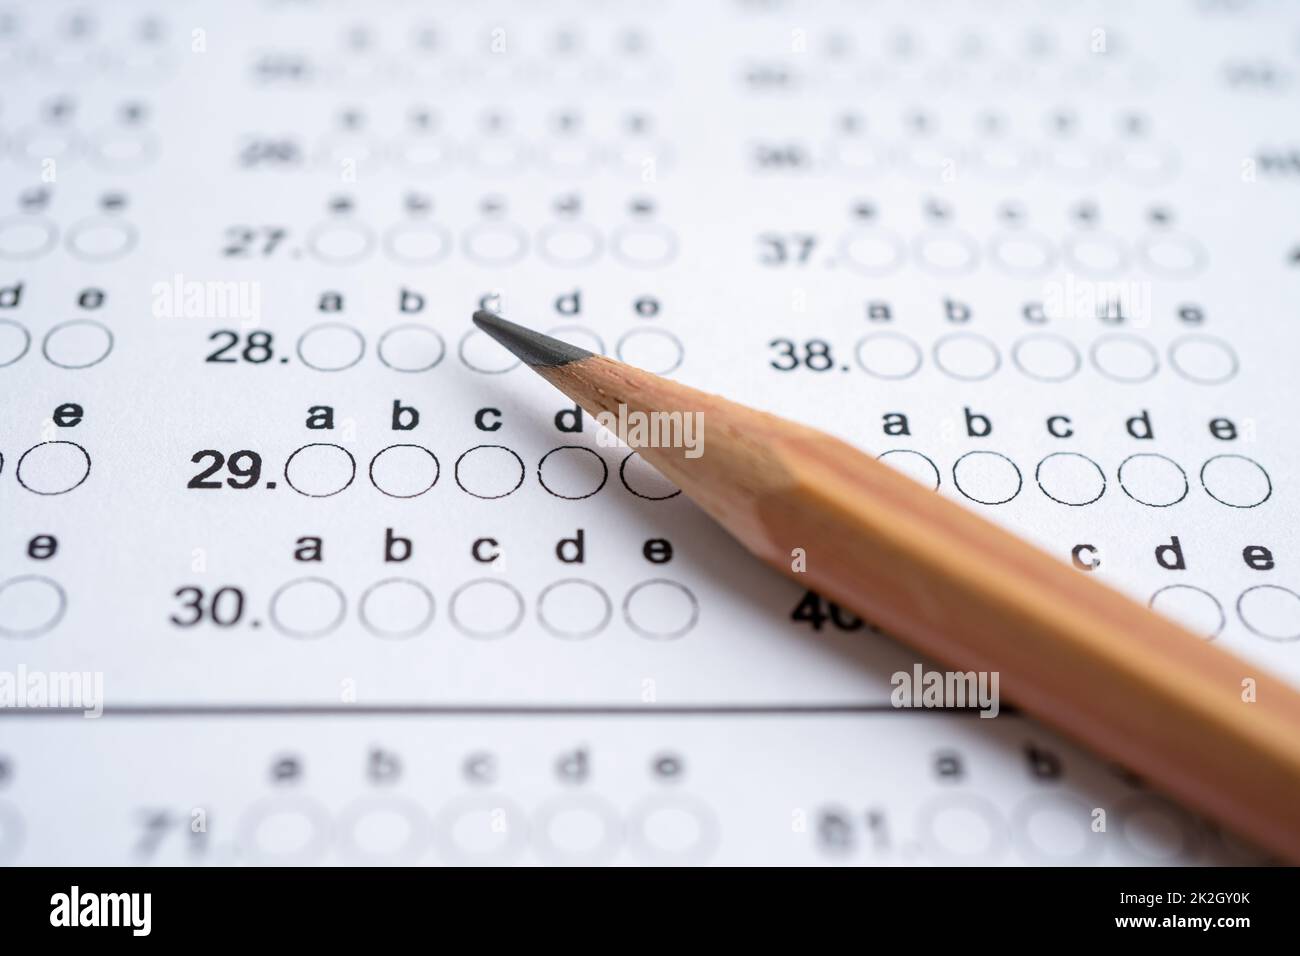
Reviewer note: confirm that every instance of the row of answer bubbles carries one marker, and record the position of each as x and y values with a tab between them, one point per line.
948	74
1072	478
96	239
486	608
427	155
489	472
1048	357
878	251
1269	611
399	608
576	609
80	49
116	149
412	347
483	828
1054	829
998	158
495	242
480	72
77	343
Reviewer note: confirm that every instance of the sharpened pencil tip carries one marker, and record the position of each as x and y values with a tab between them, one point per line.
534	348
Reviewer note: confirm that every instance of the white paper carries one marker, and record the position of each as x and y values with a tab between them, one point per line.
220	217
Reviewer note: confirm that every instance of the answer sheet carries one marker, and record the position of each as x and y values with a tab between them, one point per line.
297	566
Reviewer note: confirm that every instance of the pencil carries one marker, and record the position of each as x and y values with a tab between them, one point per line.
1208	728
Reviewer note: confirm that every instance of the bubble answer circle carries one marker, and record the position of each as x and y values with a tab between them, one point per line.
1022	254
1055	829
1096	254
1147	163
498	155
404	471
1270	612
987	477
41	143
572	472
411	348
489	471
571	157
645	246
1124	358
101	240
347	153
871	252
495	243
1078	162
340	243
966	356
1070	478
574	609
660	609
30	605
1172	256
569	243
915	465
422	155
15	340
331	347
1006	161
320	470
121	151
888	355
285	831
1236	481
946	253
26	237
1153	480
417	243
578	829
396	608
644	480
486	608
78	343
673	829
930	160
308	607
1195	608
1203	359
1046	357
857	154
655	350
53	467
481	829
386	829
961	828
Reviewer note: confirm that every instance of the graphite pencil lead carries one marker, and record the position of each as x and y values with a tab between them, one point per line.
534	348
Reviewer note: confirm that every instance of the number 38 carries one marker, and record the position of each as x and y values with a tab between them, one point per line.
816	355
